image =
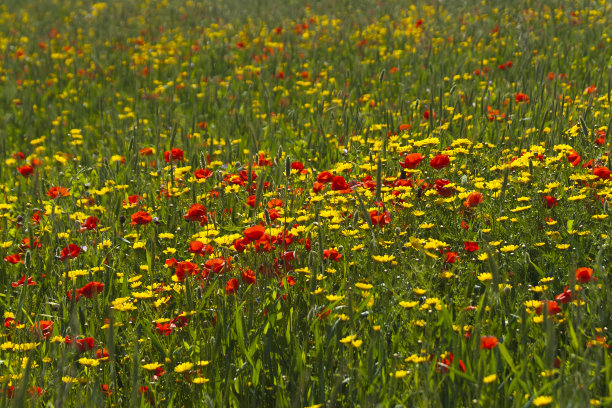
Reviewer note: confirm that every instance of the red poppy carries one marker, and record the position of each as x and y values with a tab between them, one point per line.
240	244
231	286
451	257
470	246
197	213
105	389
440	186
146	151
565	296
85	344
56	191
70	252
521	97
318	187
91	289
339	184
275	202
202	174
473	200
380	218
584	275
488	342
412	160
251	201
601	139
141	218
173	155
602	172
254	233
549	201
13	259
332	254
185	268
325	177
26	170
440	161
248	276
101	353
573	158
552	307
22	281
90	223
216	265
43	328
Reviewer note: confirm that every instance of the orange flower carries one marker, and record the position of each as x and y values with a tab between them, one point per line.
488	342
254	233
473	200
440	161
584	275
412	160
197	212
141	218
56	191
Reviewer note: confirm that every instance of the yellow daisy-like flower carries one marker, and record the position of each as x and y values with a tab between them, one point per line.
489	378
399	374
200	380
181	368
151	366
408	305
485	277
348	339
89	362
334	298
508	248
383	258
542	401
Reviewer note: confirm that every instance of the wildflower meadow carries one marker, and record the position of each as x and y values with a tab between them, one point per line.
305	204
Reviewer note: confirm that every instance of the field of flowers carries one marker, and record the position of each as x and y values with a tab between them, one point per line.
271	203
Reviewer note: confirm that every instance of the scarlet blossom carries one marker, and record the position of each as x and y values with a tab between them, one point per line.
412	160
427	114
141	218
318	187
43	328
601	139
602	172
470	246
105	389
132	199
473	200
248	276
573	158
70	252
216	265
55	192
164	328
173	155
197	213
254	233
299	167
202	174
25	244
275	202
451	257
91	289
26	170
440	186
549	201
488	342
552	307
146	151
591	89
290	281
325	177
380	218
184	268
440	161
240	244
22	281
199	248
332	254
264	243
85	344
13	259
584	275
101	353
90	223
521	97
339	184
565	296
231	286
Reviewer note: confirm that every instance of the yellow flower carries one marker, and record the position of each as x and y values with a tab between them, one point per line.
408	305
89	362
485	277
334	298
508	248
181	368
200	380
542	400
151	366
489	378
399	374
383	258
